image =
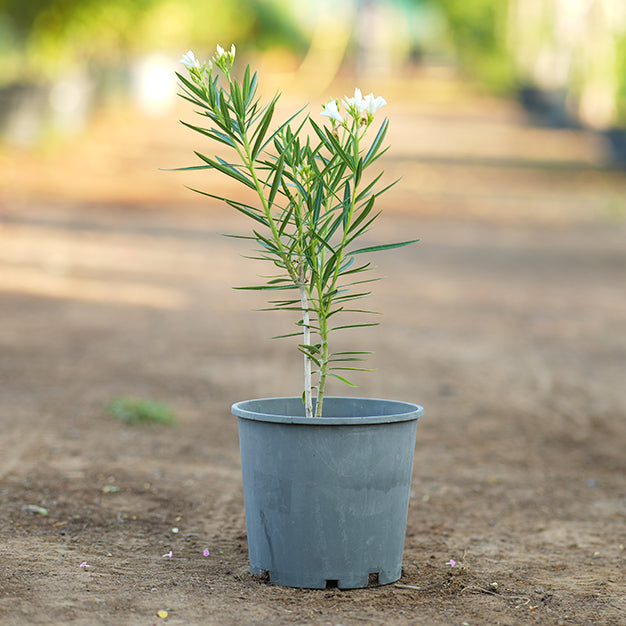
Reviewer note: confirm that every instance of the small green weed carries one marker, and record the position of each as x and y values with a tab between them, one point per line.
138	412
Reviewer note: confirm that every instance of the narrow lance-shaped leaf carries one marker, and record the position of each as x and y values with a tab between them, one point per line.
347	207
358	173
263	126
245	85
342	379
317	204
282	126
277	179
266	288
347	326
332	143
236	98
380	135
212	134
363	213
387	246
313	355
223	104
193	89
369	188
363	229
239	206
228	169
287	335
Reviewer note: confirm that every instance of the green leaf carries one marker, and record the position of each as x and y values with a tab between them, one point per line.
380	135
332	144
363	229
227	168
347	326
192	88
362	214
275	281
267	243
347	206
339	168
231	236
263	126
186	169
367	191
312	355
358	173
277	179
246	84
285	220
317	203
266	287
346	265
224	110
249	86
387	246
298	334
212	134
355	270
283	126
237	99
377	155
239	206
329	270
348	352
342	379
351	296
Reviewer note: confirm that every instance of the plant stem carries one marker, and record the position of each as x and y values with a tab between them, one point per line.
321	389
306	331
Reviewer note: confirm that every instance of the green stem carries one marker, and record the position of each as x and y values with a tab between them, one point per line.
324	366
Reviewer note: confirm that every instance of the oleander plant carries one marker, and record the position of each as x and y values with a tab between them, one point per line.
315	199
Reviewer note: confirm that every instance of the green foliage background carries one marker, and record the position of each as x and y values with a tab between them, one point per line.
39	38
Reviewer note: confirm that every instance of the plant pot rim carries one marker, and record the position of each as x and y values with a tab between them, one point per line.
340	410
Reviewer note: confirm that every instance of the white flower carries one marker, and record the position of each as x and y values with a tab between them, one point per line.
355	105
331	110
189	60
373	104
224	60
221	52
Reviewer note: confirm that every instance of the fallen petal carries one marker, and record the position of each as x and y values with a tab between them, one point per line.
35	508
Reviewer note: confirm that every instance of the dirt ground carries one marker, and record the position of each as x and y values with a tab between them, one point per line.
507	323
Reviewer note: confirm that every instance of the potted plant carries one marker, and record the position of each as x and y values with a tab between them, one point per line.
326	479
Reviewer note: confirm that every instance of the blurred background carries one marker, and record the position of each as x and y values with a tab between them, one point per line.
63	61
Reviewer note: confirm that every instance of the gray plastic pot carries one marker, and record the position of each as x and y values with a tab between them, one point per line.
327	498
